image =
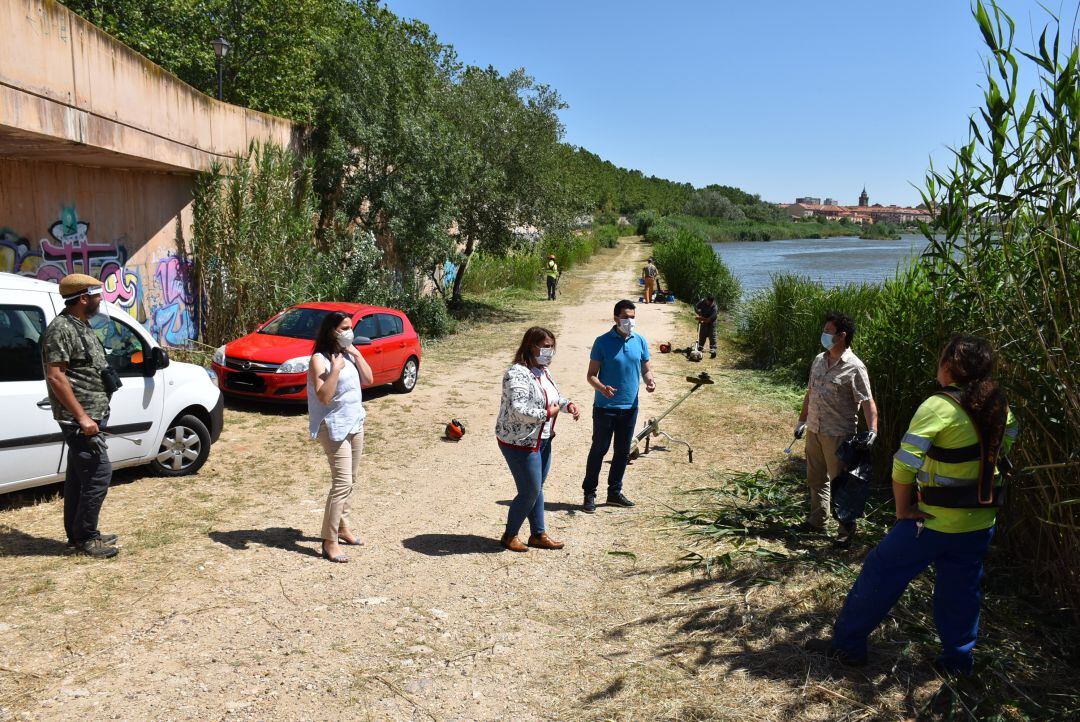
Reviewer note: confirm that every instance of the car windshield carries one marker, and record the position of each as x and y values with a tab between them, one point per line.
296	323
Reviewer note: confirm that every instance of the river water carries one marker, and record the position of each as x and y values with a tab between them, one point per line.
831	261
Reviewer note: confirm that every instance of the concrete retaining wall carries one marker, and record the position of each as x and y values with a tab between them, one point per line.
99	149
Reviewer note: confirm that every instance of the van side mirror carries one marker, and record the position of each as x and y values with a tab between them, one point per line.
158	359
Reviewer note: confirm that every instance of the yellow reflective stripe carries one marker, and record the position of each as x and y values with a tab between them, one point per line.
919	442
906	457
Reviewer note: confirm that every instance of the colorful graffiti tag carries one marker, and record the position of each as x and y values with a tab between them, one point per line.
166	305
171	321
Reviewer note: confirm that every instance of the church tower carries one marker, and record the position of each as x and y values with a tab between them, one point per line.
864	200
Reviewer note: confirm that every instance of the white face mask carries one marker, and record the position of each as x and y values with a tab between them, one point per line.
344	338
627	326
544	356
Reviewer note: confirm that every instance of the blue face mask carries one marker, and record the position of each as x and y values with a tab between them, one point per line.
827	340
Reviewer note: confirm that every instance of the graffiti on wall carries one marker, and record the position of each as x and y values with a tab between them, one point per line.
165	305
170	319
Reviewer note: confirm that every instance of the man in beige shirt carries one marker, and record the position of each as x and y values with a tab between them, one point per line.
839	387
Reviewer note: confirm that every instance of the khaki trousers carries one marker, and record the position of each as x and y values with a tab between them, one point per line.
344	457
822	466
650	286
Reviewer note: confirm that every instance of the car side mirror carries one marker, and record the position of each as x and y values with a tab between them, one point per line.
361	341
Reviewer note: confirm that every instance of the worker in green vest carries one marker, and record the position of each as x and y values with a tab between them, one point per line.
948	486
552	276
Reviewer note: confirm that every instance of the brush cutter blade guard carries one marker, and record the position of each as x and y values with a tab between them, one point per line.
652	427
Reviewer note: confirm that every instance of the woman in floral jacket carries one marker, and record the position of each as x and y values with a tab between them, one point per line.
526	425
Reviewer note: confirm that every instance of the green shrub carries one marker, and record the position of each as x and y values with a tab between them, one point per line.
607	236
426	311
692	270
644	219
660	232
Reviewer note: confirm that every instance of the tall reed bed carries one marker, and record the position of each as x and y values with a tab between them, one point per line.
691	269
1003	261
254	252
524	267
716	230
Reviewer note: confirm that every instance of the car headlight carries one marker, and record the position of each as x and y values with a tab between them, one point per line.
219	356
296	365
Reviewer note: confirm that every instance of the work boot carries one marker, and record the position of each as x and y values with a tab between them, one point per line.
109	539
589	507
98	549
511	542
619	499
543	541
845	535
825	647
808	528
712	354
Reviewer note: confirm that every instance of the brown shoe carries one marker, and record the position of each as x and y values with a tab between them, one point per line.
543	541
511	542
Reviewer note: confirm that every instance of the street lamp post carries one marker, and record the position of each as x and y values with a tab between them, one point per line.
221	49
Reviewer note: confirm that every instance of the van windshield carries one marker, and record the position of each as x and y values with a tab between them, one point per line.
296	323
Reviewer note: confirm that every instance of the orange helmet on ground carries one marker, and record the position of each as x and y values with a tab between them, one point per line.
455	430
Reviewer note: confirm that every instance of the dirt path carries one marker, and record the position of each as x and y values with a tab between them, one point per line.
220	608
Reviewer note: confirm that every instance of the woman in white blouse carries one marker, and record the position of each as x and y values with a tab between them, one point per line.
525	428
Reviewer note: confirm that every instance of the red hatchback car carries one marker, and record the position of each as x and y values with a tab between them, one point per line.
271	363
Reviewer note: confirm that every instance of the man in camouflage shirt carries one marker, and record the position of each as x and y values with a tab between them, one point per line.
74	359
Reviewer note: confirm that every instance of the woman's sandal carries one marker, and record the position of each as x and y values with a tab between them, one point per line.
354	543
337	558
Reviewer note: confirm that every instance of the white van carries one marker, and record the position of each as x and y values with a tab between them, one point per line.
166	414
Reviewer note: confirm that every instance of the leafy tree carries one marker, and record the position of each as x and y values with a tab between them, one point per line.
509	131
275	46
387	157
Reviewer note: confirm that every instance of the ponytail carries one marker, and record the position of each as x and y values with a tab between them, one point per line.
971	363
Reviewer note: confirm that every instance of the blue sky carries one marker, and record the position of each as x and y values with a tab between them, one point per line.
777	97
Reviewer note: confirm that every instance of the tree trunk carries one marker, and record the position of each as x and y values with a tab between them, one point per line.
469	246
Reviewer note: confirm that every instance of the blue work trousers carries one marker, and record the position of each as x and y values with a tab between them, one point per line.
530	470
899	558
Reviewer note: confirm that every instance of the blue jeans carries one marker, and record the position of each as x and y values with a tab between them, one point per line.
530	470
608	423
899	558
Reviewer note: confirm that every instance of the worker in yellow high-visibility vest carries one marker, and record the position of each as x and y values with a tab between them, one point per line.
950	458
552	276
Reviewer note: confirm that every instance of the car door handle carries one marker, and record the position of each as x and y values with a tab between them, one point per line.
44	403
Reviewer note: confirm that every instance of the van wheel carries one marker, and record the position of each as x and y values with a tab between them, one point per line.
410	372
184	449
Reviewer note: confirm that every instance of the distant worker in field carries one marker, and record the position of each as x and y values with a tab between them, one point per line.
617	363
839	386
950	457
649	274
553	274
707	312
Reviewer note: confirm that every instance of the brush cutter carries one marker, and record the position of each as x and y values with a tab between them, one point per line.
652	428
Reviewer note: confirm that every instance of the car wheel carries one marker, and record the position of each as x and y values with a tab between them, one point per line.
410	372
184	449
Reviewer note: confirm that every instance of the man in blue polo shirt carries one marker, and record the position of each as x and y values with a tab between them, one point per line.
619	359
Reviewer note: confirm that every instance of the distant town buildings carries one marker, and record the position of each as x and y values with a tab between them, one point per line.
810	207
